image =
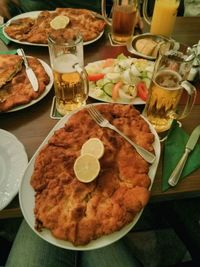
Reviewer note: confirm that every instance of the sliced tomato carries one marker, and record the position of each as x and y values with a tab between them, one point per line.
142	91
115	90
95	77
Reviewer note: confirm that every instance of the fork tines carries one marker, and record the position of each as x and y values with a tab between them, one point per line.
95	114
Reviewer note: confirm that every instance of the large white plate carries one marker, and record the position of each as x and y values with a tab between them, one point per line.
136	101
47	89
13	162
27	199
34	15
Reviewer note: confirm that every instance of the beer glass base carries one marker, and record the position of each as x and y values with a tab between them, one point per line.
115	43
68	107
164	135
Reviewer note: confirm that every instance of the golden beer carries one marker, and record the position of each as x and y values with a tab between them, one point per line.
164	95
123	22
68	84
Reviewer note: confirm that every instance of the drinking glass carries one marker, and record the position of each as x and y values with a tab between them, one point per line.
70	78
123	20
167	87
164	16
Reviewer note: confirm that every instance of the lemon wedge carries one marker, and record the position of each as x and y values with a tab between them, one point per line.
59	22
93	146
86	168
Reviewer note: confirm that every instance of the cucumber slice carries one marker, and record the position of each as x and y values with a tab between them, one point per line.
107	88
147	81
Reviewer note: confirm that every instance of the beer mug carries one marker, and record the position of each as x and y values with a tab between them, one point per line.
164	16
124	13
70	78
167	87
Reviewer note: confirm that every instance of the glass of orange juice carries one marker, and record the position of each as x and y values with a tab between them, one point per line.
164	16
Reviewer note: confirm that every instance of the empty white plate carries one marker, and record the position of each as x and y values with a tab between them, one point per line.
13	162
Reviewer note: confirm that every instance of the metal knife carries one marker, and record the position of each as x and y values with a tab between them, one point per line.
174	177
30	73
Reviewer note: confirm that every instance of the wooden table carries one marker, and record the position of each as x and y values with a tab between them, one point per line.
32	125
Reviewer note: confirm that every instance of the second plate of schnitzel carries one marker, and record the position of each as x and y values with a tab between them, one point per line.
78	216
33	28
17	93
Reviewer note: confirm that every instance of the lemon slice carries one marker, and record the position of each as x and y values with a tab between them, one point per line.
59	22
93	146
86	168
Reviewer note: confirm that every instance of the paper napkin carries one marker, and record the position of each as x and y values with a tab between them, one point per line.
8	52
174	148
3	37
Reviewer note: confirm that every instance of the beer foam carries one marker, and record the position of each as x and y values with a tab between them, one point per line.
64	63
168	79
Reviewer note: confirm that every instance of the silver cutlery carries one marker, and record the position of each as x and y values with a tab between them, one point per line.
30	73
100	120
176	174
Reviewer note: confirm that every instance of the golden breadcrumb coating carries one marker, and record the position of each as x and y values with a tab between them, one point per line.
81	212
19	90
81	21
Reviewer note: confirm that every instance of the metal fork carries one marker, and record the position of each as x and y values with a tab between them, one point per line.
99	119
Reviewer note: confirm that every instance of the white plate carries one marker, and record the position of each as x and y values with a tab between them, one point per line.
27	199
136	101
47	89
34	15
13	162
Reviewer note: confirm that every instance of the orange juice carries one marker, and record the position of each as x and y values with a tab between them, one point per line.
164	17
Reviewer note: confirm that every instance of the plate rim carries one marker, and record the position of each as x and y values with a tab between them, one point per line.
137	100
104	240
32	14
48	87
23	156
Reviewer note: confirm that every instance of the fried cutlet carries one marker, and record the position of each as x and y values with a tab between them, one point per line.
79	212
19	90
37	30
9	66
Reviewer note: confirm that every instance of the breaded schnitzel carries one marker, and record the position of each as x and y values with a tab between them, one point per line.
19	90
80	212
37	30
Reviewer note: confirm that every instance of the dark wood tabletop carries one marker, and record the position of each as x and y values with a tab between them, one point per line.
31	125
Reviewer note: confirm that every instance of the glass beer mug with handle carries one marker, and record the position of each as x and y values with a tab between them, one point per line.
70	78
123	20
164	16
167	87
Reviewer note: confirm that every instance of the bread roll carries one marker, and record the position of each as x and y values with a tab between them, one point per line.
146	46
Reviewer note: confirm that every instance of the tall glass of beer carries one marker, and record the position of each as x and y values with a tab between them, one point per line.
168	86
123	20
70	78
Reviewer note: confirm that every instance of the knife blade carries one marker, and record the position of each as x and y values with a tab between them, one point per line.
29	72
175	176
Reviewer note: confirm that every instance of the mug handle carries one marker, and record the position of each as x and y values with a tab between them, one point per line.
144	12
191	90
103	12
84	77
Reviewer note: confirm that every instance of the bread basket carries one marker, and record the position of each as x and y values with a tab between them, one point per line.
146	45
